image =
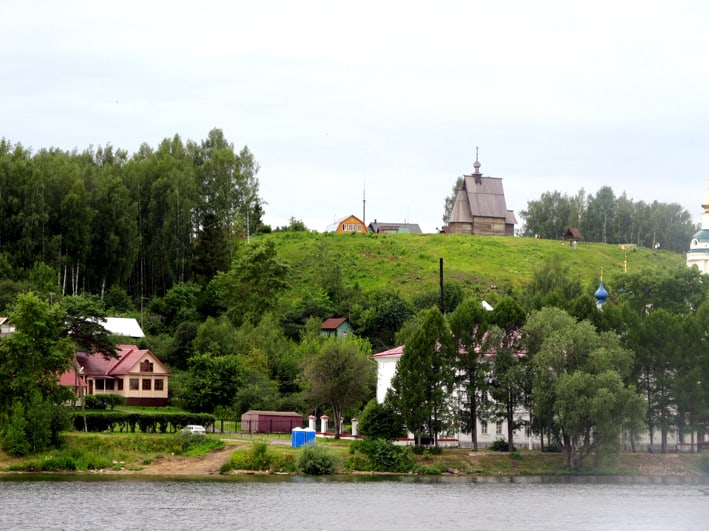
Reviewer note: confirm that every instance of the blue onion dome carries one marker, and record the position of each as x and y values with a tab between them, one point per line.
601	294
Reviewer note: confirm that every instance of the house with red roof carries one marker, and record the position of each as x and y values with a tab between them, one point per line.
136	374
336	326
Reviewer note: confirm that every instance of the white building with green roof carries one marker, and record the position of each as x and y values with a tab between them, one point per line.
698	254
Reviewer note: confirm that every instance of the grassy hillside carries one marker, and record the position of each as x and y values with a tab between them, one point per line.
409	263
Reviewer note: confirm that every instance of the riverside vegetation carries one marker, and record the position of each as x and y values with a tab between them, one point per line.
152	454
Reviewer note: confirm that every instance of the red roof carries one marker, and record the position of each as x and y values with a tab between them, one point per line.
128	357
70	380
333	323
395	352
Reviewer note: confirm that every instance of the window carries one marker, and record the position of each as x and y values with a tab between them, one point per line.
134	384
359	227
158	384
498	428
483	427
99	385
351	227
146	366
119	385
344	227
146	384
109	385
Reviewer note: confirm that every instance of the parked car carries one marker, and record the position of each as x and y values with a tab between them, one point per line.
194	429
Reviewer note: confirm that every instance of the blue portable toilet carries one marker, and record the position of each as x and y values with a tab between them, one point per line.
297	438
309	434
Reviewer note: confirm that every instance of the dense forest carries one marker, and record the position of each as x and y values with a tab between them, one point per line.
606	218
100	218
174	237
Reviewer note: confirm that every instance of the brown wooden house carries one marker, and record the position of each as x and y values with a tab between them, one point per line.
480	207
573	234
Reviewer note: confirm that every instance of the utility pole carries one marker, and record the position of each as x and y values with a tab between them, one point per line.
440	291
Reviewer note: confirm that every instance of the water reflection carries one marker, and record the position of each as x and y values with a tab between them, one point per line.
351	503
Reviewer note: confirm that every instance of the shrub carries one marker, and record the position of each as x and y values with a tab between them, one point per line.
500	445
381	456
67	460
113	400
418	449
94	402
260	457
427	450
284	463
314	460
380	421
431	470
56	463
257	458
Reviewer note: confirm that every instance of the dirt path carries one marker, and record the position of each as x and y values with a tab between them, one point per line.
175	465
206	465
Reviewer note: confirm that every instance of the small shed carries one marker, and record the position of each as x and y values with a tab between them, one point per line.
270	421
572	233
336	326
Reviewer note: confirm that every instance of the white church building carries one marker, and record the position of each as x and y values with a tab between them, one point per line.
698	254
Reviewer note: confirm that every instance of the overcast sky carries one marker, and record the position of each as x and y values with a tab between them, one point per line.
339	99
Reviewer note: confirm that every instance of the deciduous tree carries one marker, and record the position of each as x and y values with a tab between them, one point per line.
339	374
31	361
578	385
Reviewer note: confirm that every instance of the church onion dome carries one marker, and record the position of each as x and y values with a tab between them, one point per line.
702	235
700	240
601	294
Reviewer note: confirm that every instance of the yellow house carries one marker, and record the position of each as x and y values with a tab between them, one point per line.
136	374
348	224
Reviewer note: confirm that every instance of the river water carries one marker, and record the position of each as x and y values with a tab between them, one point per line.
351	503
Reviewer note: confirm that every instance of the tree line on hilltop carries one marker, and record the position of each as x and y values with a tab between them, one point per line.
603	217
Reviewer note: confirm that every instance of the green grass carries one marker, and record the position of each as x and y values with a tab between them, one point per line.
90	451
83	452
409	263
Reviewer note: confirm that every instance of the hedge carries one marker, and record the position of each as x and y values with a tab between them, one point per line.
101	421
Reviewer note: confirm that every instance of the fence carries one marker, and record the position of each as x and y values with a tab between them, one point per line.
248	427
